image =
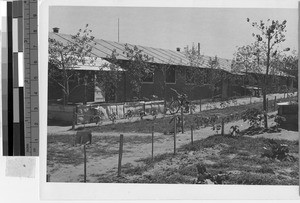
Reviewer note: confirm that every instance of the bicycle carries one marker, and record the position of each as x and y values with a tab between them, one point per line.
180	102
98	115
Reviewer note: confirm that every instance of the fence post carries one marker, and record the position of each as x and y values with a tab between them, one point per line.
200	105
275	103
120	154
182	120
74	118
144	107
84	162
192	135
222	129
175	122
152	151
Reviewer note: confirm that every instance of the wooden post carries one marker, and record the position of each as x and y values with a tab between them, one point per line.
152	151
267	104
192	135
84	162
275	102
222	129
144	107
74	118
182	128
200	105
175	123
120	155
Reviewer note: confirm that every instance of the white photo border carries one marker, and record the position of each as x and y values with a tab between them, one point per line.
114	191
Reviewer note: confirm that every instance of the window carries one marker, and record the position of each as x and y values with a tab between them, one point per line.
170	75
149	78
189	76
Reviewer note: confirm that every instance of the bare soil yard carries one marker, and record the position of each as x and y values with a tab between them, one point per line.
239	156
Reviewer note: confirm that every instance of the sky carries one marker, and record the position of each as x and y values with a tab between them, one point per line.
218	30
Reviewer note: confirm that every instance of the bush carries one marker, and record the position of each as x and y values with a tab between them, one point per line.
254	116
276	150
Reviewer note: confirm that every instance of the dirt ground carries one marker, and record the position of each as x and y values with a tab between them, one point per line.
65	161
102	154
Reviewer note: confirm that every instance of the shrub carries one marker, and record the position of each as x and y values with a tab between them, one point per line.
276	150
254	116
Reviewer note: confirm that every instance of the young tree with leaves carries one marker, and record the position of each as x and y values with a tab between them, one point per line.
290	65
272	34
245	63
204	74
64	58
139	67
109	80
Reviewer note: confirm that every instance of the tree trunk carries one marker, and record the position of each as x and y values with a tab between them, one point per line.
66	93
265	107
244	89
164	90
84	96
266	84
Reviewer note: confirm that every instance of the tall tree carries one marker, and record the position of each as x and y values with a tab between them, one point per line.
64	58
139	66
205	71
272	34
109	80
290	65
247	60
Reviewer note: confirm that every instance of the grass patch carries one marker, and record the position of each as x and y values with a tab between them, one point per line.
156	159
252	168
64	155
229	150
265	169
188	170
166	177
253	179
63	138
129	169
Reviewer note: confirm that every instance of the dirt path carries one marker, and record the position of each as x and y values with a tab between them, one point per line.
135	151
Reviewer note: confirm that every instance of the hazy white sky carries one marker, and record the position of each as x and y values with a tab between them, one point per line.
219	30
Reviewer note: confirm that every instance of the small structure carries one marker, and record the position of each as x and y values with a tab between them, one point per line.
254	91
289	110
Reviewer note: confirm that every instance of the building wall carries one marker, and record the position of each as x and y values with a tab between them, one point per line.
157	87
77	95
124	92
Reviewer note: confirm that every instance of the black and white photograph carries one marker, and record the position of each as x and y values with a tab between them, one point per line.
172	95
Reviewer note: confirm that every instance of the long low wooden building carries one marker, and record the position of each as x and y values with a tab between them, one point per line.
178	75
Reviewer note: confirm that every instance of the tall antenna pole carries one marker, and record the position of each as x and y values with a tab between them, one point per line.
118	31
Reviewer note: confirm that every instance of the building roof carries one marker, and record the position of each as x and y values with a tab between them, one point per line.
104	48
99	65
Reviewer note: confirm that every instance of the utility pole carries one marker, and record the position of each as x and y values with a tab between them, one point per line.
118	30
